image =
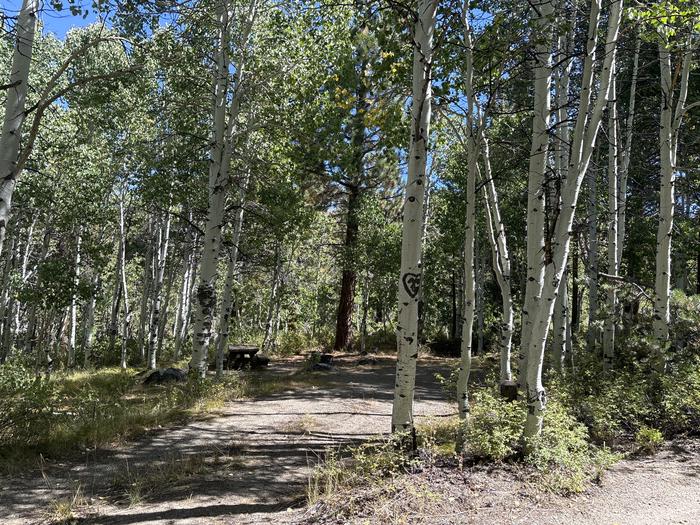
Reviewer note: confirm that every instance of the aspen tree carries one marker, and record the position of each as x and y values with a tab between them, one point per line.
671	119
613	217
227	299
583	143
473	130
409	279
223	135
496	232
15	108
542	13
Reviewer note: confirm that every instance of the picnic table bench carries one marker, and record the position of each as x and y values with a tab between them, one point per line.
240	355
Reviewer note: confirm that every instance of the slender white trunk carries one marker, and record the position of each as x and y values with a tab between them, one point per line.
668	141
560	329
170	281
409	279
89	321
188	280
227	299
613	249
542	19
501	265
561	340
7	302
123	284
32	336
74	302
269	339
585	134
592	269
627	153
157	297
223	137
146	285
15	102
469	227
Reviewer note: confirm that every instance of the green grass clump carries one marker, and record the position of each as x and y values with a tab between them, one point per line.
87	409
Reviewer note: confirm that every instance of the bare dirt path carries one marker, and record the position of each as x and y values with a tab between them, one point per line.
267	447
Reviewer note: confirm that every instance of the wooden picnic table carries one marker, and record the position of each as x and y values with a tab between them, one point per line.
240	355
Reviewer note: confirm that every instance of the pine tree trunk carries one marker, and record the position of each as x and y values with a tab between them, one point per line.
346	302
409	280
15	114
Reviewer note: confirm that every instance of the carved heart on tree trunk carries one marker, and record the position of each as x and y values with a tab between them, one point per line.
411	283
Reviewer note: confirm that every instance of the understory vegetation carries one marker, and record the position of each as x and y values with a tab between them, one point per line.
589	426
217	185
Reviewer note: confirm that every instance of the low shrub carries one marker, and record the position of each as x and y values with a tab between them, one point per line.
495	426
562	453
648	439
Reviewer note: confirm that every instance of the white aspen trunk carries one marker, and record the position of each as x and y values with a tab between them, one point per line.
89	322
585	134
146	285
170	281
561	336
627	153
592	269
220	156
20	322
227	299
479	278
123	284
542	18
365	308
613	249
188	280
157	297
668	141
7	302
496	232
412	223
15	102
31	338
268	339
560	330
469	304
74	302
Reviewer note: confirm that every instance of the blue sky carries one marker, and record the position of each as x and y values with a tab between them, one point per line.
57	22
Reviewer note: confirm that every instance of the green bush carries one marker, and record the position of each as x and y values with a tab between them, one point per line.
562	453
494	427
648	439
680	402
27	404
293	343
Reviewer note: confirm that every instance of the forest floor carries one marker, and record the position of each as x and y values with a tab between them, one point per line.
250	461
